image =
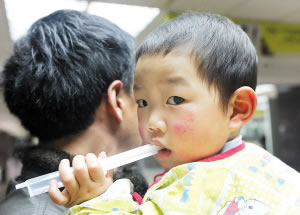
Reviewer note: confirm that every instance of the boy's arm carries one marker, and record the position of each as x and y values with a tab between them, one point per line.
85	182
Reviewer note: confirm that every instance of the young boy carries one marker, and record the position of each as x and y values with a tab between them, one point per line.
194	85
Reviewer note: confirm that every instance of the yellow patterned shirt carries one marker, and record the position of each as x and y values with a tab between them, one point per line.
246	182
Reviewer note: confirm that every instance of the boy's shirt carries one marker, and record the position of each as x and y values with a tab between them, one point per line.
243	180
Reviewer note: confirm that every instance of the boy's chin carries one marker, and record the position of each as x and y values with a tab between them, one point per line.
166	166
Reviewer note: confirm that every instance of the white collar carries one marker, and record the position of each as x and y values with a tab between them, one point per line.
232	144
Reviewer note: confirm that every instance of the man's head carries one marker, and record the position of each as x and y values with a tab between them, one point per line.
62	69
194	84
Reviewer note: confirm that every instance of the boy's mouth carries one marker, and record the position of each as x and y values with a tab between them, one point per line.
163	154
165	150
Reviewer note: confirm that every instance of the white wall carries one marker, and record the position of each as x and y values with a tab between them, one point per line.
5	40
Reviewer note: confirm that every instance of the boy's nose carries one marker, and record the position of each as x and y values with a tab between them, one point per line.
156	124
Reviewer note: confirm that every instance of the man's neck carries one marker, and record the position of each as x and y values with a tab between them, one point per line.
95	139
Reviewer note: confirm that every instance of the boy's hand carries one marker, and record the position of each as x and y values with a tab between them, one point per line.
85	182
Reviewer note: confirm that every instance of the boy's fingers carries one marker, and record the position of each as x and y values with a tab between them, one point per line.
95	170
102	155
108	173
67	177
60	198
80	170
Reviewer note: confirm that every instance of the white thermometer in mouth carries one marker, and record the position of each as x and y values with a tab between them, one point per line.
40	184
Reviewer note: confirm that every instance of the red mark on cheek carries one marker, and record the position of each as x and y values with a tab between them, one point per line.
185	125
182	128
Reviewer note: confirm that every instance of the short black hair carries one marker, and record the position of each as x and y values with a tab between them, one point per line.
224	55
61	69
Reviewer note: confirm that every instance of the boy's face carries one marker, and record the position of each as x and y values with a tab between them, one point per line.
177	110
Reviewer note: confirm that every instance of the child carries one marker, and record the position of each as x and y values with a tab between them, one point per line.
194	85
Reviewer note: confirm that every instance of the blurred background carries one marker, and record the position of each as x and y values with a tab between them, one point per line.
272	25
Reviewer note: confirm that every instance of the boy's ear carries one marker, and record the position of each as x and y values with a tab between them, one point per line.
243	105
115	103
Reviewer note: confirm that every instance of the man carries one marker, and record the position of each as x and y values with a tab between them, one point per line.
70	82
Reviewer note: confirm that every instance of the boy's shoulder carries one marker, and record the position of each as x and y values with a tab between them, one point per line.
257	163
252	160
251	176
261	158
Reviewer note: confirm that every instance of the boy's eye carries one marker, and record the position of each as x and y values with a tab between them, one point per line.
175	100
141	103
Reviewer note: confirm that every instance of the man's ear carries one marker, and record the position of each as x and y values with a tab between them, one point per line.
114	99
243	105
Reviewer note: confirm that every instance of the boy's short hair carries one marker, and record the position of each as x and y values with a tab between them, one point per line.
224	55
61	69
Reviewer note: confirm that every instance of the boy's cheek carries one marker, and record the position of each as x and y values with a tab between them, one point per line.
142	132
189	116
182	128
186	125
